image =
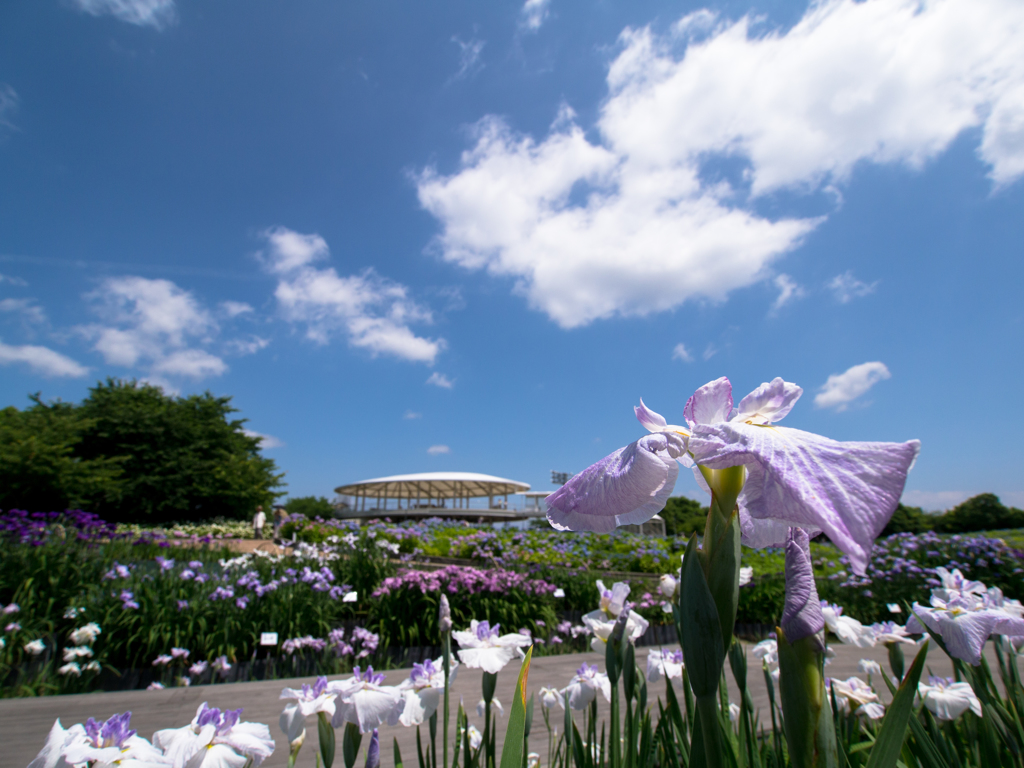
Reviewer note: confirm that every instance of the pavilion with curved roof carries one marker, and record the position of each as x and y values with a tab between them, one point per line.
435	494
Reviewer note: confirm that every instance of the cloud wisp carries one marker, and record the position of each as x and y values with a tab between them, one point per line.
846	287
266	441
680	352
440	380
841	389
157	14
9	103
470	52
533	14
41	360
627	224
788	291
370	311
438	450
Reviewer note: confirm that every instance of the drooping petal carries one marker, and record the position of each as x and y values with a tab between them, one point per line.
579	695
491	660
292	723
369	707
710	404
801	614
50	755
419	706
847	490
181	744
628	487
653	422
220	756
250	739
769	403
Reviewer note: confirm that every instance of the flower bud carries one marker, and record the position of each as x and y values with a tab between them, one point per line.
444	615
801	613
373	751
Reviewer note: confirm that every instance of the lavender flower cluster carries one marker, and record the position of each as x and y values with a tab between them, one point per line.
456	578
38	528
364	642
903	565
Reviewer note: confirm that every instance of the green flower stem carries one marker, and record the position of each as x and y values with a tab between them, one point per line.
446	642
810	730
707	708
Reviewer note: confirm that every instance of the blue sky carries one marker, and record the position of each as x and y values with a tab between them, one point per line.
413	237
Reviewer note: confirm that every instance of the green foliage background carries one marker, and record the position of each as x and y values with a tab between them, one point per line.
134	454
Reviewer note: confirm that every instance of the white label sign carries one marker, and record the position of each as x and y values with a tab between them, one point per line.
268	638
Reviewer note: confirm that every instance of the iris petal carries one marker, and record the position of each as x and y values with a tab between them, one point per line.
628	487
653	422
710	404
771	401
847	490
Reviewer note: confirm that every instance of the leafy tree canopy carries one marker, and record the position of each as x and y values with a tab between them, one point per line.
133	454
310	506
683	516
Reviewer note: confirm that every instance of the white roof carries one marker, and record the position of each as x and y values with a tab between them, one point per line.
433	485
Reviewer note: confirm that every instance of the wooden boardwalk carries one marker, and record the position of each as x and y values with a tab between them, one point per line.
24	723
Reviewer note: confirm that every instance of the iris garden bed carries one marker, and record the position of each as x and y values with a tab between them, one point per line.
65	571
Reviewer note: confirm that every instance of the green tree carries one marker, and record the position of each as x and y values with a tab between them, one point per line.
683	516
983	512
179	458
310	506
908	520
39	467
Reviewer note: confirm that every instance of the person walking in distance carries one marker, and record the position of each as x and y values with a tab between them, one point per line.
280	515
258	522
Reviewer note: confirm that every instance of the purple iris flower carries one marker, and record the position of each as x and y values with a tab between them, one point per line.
965	624
221	721
484	631
801	614
794	478
113	733
369	676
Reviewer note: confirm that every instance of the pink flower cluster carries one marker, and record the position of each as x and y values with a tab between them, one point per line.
457	578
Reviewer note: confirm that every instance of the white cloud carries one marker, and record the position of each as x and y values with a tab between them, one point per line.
437	450
266	441
440	380
153	324
9	102
142	13
192	363
373	312
26	309
41	360
469	58
249	346
627	223
788	291
235	308
709	351
846	287
680	352
12	280
843	388
533	14
412	415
